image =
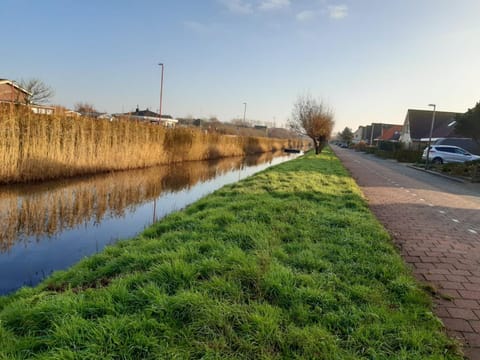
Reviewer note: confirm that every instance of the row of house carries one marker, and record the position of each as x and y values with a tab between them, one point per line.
414	133
11	93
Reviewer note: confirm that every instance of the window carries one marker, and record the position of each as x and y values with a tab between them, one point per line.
446	149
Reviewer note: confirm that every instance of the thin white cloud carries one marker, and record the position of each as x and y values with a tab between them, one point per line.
273	4
197	27
305	15
338	11
237	6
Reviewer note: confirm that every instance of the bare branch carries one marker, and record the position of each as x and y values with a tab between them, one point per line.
40	92
314	119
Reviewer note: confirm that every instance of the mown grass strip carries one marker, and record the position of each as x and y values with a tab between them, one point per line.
287	264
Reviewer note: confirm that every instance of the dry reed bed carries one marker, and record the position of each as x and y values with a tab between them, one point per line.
37	147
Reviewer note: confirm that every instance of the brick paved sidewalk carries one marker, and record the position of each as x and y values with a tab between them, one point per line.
435	232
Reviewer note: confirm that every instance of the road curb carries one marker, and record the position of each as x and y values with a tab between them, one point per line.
439	174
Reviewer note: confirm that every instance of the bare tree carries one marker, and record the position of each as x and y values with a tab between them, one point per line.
314	119
85	108
39	91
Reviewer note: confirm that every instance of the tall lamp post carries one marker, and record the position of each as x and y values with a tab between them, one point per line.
244	112
430	135
161	92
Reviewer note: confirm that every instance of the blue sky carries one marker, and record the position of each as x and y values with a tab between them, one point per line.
370	60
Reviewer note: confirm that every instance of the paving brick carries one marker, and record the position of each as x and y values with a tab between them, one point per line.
434	277
472	338
467	294
475	324
461	272
468	304
458	278
441	271
471	286
442	311
412	259
450	293
461	313
450	285
457	324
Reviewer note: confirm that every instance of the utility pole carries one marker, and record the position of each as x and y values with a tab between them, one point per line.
244	112
161	93
432	124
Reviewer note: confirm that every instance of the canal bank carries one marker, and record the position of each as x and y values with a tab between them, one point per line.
50	226
289	263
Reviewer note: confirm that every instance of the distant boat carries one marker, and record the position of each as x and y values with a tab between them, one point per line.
292	151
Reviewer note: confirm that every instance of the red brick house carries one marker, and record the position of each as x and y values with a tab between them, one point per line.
15	94
11	92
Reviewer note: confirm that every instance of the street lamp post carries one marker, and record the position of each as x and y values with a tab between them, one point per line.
244	112
161	92
430	135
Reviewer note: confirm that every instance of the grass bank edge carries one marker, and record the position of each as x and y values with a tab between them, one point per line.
289	263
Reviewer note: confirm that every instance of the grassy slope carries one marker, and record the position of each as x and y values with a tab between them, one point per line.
288	264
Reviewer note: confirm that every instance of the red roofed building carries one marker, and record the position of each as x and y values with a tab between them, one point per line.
391	134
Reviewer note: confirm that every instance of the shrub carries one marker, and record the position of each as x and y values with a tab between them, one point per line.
411	156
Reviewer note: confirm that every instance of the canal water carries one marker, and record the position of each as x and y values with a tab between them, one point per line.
50	226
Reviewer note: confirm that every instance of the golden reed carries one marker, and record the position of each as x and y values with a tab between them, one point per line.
38	147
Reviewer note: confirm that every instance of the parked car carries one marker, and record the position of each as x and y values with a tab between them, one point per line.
440	154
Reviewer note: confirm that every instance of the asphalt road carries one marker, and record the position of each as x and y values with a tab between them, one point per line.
435	223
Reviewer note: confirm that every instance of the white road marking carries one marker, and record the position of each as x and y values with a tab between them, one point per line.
455	220
441	211
431	205
472	231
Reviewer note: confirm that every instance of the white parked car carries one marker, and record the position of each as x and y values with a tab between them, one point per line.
440	154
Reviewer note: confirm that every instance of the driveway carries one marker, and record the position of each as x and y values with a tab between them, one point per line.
435	222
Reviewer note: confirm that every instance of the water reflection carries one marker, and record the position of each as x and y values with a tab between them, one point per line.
50	226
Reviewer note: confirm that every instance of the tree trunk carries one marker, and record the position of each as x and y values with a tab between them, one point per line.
316	146
319	144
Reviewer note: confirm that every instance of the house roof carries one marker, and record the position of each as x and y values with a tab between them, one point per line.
6	81
392	133
421	120
146	113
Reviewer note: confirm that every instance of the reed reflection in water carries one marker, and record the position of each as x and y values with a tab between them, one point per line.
50	226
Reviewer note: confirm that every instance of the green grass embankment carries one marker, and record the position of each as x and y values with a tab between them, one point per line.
287	264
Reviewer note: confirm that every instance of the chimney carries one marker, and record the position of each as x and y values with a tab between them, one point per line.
137	109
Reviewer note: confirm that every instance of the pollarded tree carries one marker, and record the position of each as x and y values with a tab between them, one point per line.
85	108
468	124
40	92
314	119
346	135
